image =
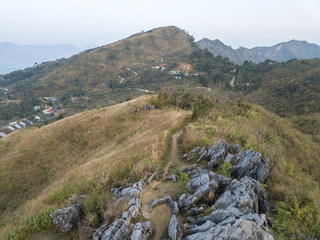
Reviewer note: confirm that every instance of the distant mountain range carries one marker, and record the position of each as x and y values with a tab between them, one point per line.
281	52
15	57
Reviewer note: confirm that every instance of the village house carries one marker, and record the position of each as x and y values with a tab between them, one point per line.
48	111
2	134
37	108
22	124
11	128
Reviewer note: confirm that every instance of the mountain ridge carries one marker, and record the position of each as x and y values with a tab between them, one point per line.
280	52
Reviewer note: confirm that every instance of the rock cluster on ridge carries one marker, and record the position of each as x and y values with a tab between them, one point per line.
216	206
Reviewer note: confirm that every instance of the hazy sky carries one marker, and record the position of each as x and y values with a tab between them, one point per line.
235	22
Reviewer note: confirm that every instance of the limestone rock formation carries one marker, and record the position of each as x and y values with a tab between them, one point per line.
67	218
175	229
250	164
142	231
167	201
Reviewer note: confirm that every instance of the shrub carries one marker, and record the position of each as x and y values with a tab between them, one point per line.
93	207
183	182
224	169
202	107
204	141
61	194
39	222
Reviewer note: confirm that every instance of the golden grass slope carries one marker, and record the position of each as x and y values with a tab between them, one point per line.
106	144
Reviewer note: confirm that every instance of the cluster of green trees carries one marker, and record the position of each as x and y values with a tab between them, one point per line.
23	109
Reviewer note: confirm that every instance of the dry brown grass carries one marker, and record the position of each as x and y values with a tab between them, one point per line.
106	144
160	218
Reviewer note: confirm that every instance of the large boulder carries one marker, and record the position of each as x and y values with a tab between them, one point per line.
175	229
67	218
250	164
142	231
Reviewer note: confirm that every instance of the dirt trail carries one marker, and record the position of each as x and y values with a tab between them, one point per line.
160	216
172	156
173	152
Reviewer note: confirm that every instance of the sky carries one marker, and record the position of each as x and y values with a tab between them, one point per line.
247	23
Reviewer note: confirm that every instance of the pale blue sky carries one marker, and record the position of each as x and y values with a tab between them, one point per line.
235	22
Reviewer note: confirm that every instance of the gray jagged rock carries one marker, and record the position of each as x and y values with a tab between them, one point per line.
67	218
230	158
244	228
172	178
142	231
186	201
185	156
167	201
203	154
191	229
204	185
193	153
196	211
250	164
217	154
237	214
119	229
98	233
175	229
247	195
150	179
129	192
235	149
116	231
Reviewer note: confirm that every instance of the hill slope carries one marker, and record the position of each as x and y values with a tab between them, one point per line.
92	151
92	70
281	52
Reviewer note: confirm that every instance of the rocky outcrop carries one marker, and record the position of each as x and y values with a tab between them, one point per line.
172	178
142	231
204	185
116	231
130	192
175	229
217	154
167	201
221	207
250	164
67	218
148	107
238	205
119	229
237	214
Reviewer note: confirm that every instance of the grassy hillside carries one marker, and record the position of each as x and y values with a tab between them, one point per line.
79	153
89	152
